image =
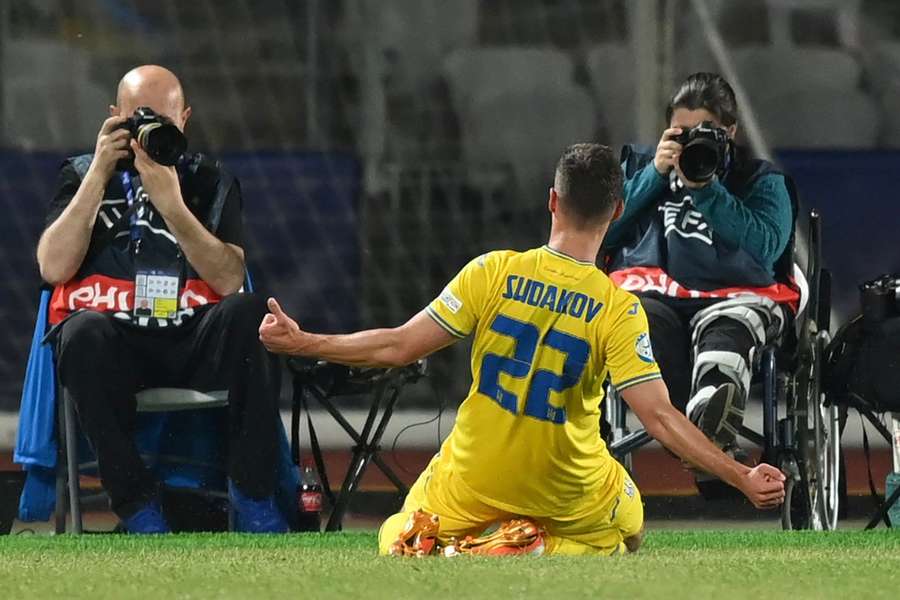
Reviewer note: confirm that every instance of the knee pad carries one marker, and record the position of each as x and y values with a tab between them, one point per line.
761	317
731	364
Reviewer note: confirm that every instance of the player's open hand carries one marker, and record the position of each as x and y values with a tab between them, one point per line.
279	333
764	486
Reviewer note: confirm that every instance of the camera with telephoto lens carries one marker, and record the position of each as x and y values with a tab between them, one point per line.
705	151
880	299
157	135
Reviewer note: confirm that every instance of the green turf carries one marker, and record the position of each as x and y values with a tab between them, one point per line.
728	565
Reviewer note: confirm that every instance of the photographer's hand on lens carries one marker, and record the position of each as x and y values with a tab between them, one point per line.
668	155
112	146
160	182
667	152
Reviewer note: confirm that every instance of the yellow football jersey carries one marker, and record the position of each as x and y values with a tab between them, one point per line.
548	330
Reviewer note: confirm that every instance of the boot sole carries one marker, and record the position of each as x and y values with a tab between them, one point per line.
723	416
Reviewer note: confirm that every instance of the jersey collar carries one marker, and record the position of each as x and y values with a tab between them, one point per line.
564	256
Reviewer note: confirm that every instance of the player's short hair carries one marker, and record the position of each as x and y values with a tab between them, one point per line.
589	182
708	91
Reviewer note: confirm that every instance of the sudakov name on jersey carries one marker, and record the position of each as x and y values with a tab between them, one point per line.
545	295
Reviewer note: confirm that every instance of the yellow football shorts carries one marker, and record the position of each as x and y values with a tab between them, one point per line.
591	527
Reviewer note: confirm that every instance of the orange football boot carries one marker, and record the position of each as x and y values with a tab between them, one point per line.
419	537
512	538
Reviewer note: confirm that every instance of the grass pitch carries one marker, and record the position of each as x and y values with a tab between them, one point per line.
672	564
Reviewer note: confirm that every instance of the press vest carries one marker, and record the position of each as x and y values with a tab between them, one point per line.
105	282
673	251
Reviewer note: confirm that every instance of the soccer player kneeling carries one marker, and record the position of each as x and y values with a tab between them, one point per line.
526	451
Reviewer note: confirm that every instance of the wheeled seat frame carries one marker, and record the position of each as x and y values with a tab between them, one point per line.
800	429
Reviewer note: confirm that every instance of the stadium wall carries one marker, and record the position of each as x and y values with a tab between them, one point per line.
305	230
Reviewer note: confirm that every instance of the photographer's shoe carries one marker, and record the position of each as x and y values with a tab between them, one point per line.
516	537
147	520
718	412
255	516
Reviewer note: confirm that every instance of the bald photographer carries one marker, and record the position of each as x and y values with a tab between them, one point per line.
143	247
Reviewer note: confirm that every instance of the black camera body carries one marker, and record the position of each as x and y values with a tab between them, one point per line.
880	299
157	135
706	150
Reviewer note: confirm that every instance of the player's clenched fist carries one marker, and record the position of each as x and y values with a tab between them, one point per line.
667	152
279	333
112	145
764	486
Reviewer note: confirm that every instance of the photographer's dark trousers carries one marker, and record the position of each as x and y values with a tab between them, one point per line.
682	331
102	362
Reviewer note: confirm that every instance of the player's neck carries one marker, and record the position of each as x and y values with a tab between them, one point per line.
580	245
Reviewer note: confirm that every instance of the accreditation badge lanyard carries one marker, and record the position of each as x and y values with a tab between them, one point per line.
133	219
155	288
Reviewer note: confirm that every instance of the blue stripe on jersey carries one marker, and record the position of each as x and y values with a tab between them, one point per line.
636	380
440	321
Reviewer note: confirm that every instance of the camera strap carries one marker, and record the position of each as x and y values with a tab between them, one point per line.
730	154
133	206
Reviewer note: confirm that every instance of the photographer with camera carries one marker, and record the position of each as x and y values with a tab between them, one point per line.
143	246
699	242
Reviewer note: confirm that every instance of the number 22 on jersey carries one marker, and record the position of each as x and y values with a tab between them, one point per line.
520	364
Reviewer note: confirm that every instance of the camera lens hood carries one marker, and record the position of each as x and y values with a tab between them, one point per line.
163	142
700	159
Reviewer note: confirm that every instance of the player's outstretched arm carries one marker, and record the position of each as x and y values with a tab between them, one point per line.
763	485
396	347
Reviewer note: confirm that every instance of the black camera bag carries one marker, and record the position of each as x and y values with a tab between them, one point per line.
863	364
876	373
